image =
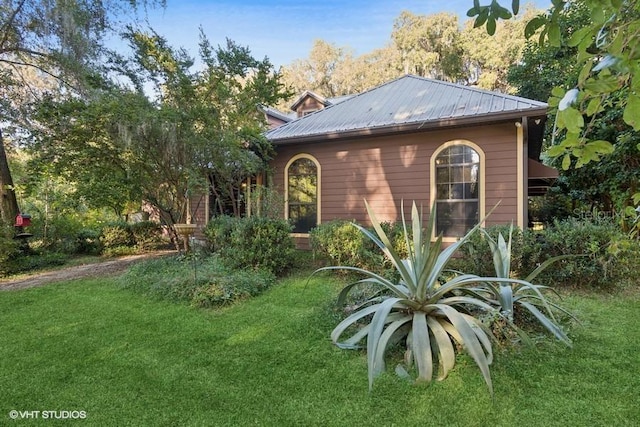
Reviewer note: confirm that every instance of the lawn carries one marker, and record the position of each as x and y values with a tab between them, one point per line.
124	359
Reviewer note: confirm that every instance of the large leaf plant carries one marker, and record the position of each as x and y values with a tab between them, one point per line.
429	314
509	292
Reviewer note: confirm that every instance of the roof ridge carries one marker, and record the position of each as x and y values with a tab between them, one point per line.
474	89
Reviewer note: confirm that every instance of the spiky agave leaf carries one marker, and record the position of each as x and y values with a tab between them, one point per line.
521	292
427	314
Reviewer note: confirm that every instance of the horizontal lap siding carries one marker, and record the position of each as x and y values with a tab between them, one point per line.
387	170
500	148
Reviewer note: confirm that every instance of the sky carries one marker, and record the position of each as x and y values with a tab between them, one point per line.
284	30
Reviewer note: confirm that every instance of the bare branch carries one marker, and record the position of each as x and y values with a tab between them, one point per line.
8	24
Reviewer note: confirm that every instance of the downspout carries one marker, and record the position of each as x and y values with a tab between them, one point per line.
522	172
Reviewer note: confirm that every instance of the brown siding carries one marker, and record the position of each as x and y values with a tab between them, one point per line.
308	105
386	170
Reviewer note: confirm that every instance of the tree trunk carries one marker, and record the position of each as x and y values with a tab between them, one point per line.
9	204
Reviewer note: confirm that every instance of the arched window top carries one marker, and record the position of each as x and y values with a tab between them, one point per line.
306	158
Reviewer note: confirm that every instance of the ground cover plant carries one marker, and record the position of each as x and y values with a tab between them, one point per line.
198	279
127	359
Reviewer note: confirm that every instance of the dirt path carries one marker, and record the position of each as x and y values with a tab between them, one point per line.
98	269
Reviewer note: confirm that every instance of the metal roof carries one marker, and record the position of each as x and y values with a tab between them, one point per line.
409	103
285	117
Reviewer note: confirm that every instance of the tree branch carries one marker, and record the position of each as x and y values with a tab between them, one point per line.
39	68
8	24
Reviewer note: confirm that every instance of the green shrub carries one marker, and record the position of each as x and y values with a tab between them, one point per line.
231	287
58	233
9	249
218	232
607	256
202	282
88	242
117	235
341	243
260	243
147	235
37	261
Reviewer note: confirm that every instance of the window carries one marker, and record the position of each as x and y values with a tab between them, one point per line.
457	189
302	193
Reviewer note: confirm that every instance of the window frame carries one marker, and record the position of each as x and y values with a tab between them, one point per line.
481	180
318	188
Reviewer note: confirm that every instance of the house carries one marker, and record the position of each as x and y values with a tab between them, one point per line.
413	138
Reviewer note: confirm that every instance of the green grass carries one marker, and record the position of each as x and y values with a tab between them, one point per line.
128	360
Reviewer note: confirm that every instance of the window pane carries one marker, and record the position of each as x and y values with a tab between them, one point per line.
303	217
442	174
442	191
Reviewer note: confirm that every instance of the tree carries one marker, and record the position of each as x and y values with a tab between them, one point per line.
488	59
316	72
60	40
609	62
357	74
430	45
173	132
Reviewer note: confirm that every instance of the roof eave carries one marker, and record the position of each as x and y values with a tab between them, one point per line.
413	127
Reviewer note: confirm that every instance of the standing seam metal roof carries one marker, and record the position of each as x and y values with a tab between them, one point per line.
405	101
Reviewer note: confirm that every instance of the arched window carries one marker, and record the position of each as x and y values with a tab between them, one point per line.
303	189
457	169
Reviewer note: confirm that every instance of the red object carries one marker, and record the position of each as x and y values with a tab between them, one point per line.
23	220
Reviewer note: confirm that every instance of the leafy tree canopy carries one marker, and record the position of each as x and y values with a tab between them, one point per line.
609	61
48	46
176	130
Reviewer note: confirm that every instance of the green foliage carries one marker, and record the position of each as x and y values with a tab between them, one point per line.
266	202
476	257
147	235
429	315
522	295
253	242
33	261
117	234
218	232
609	257
122	238
9	249
88	242
604	257
608	61
201	282
341	243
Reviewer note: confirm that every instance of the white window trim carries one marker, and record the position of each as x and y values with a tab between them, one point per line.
318	189
482	181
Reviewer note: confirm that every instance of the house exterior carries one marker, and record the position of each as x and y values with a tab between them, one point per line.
463	149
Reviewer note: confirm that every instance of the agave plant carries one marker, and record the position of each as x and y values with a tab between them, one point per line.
428	314
508	292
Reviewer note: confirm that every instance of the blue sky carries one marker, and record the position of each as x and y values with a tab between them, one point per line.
284	30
